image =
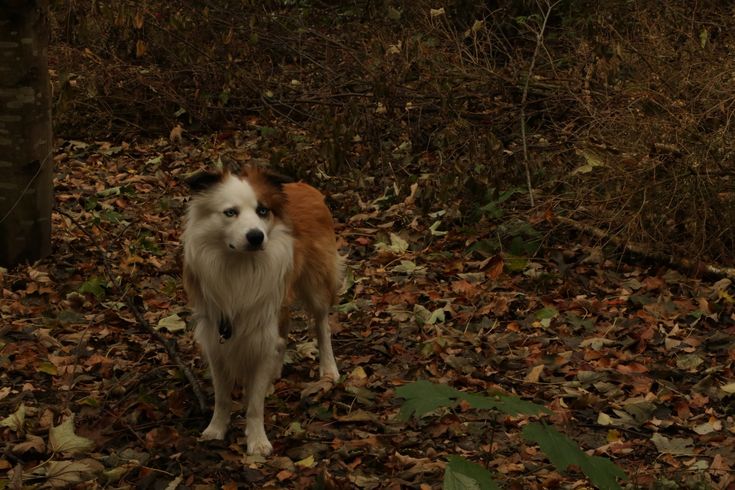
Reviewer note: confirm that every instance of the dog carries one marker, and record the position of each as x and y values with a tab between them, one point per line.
255	243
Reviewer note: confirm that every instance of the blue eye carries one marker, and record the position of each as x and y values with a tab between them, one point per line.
230	212
262	211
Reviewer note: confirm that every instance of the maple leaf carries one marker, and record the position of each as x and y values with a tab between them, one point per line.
15	420
62	439
423	397
563	452
65	473
461	474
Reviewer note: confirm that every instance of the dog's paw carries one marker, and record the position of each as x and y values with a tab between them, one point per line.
332	376
213	432
329	372
259	447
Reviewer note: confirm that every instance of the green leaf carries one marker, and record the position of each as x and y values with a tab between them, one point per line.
563	452
48	368
510	405
514	263
459	481
95	286
62	439
110	191
424	396
461	474
546	313
393	13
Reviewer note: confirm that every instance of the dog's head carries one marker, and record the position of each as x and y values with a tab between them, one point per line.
238	211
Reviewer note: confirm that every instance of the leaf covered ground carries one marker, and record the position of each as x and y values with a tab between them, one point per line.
635	361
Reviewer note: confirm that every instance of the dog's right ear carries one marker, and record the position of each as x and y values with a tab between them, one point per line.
202	181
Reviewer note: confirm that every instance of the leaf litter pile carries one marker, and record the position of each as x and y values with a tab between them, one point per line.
634	363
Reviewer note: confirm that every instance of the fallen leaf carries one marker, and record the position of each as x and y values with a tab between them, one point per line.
307	462
62	439
172	323
15	420
32	442
675	446
65	473
534	374
712	425
174	484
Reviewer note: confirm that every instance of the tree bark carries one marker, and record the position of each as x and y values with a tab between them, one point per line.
26	163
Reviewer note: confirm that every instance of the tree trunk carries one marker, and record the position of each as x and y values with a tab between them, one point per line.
26	162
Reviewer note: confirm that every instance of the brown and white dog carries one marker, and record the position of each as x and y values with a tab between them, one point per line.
254	243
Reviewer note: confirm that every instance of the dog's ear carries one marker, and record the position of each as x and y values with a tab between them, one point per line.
273	178
276	178
202	181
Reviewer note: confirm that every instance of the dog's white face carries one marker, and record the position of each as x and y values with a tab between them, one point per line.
232	212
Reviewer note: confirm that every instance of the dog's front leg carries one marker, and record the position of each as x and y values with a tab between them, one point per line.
257	388
223	383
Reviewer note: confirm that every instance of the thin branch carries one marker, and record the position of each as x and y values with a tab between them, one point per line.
133	305
524	98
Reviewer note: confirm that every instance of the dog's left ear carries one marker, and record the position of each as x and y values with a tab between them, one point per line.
273	178
202	181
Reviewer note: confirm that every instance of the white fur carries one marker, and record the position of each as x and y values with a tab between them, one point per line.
247	286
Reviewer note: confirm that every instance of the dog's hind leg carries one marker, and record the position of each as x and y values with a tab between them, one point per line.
327	363
284	326
223	383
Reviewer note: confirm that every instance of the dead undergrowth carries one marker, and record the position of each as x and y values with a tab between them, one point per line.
626	114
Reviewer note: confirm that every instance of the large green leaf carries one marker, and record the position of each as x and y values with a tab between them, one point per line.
564	452
461	474
509	405
423	397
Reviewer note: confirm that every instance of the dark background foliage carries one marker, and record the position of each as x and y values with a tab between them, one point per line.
627	112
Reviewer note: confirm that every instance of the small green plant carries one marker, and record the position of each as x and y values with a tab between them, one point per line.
423	397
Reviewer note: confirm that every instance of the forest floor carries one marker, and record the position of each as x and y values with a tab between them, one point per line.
635	361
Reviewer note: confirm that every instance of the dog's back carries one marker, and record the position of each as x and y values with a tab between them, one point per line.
317	273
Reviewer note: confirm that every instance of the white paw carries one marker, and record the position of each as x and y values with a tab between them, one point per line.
329	373
213	432
259	446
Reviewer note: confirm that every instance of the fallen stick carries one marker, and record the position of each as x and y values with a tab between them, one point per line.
142	322
638	249
169	346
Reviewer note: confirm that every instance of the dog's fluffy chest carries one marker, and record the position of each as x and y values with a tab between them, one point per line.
239	285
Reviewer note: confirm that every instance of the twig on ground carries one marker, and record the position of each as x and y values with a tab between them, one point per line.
142	322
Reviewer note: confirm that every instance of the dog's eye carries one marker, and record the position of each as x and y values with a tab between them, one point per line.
262	211
230	212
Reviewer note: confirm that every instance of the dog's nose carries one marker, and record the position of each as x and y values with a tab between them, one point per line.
255	237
